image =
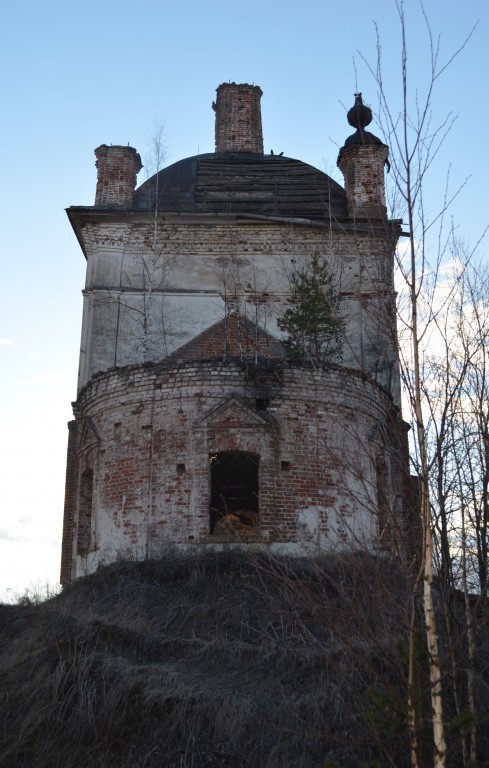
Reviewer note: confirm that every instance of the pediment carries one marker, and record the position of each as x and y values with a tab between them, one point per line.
233	412
89	435
234	336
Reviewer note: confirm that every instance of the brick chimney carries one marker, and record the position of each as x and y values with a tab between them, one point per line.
238	118
117	168
361	161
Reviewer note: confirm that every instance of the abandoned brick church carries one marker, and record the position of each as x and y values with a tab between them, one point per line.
191	425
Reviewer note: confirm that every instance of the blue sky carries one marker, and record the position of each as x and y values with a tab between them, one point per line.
75	76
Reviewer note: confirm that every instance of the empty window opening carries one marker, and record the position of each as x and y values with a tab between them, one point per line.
234	493
284	466
262	403
383	516
85	512
180	469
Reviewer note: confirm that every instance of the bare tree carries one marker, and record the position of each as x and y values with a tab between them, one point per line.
415	142
455	401
143	322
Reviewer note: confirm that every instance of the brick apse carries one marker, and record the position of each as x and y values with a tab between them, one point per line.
191	426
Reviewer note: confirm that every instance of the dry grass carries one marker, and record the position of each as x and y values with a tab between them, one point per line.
221	660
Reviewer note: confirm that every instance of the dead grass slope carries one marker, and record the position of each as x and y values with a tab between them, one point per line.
221	660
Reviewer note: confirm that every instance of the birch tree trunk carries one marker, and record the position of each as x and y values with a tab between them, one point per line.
414	143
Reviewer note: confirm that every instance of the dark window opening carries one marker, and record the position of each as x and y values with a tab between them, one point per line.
180	469
262	403
234	493
285	466
85	512
383	515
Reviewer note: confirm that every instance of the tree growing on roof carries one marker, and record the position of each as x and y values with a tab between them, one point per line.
312	321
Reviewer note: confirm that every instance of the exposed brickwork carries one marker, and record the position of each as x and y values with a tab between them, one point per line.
363	169
238	118
117	168
71	504
318	439
85	500
235	336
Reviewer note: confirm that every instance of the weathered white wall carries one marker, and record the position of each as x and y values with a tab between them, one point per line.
148	294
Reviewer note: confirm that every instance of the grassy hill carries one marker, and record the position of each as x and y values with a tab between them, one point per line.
221	661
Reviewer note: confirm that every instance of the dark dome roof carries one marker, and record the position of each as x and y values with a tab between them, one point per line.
268	185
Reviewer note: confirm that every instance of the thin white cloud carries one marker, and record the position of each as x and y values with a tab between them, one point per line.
8	343
32	537
11	536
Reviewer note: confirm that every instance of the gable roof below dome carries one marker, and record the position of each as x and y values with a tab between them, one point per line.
269	185
234	336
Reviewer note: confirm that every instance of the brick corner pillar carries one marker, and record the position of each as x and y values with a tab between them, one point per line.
238	118
362	160
117	169
71	493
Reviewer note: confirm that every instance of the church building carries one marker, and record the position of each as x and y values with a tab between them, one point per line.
205	416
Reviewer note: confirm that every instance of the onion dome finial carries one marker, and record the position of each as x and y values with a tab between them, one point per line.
359	115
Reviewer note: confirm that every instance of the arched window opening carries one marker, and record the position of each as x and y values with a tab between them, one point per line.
383	512
85	512
234	493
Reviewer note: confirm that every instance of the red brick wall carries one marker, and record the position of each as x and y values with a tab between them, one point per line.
159	426
117	168
238	118
71	504
235	336
363	169
85	500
